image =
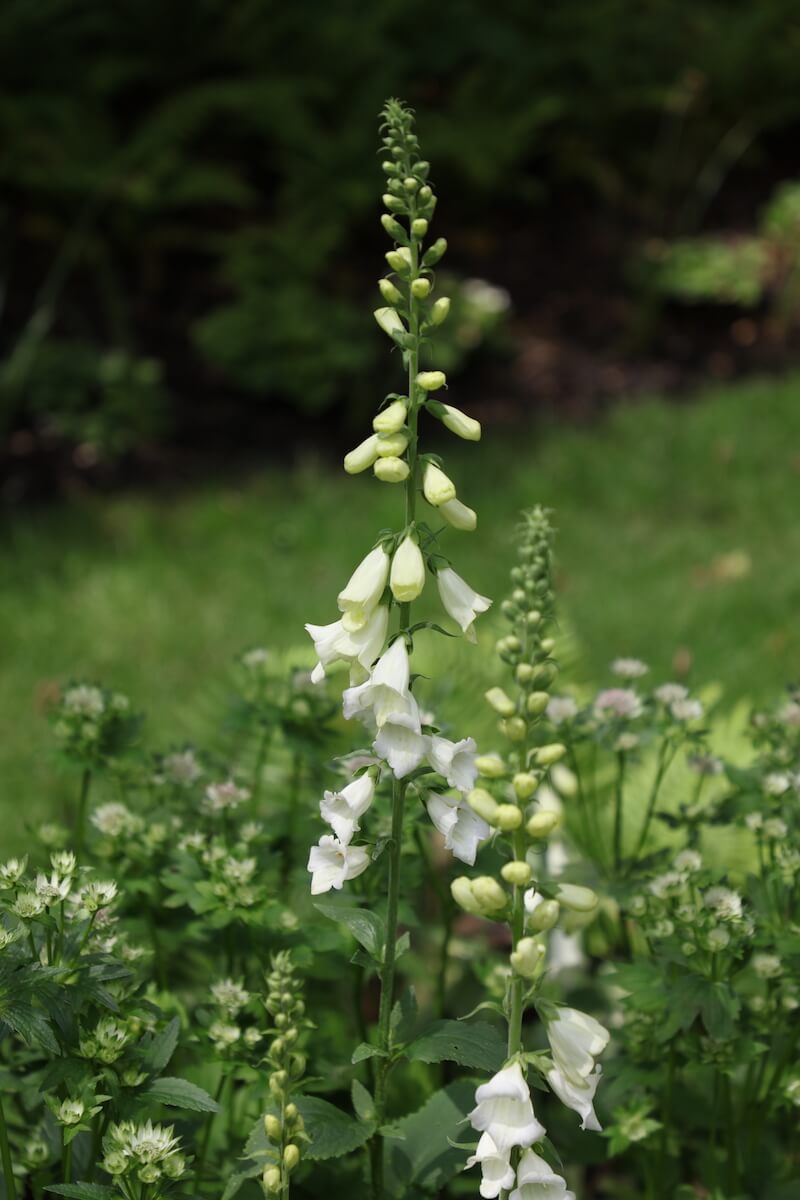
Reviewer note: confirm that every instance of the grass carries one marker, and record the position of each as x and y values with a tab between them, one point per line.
679	543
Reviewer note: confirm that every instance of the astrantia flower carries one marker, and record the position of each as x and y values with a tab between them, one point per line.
561	708
768	966
496	1170
629	668
333	643
364	589
454	760
463	830
775	828
618	702
576	1039
332	864
705	764
726	903
401	742
577	1095
460	601
342	809
688	861
386	692
687	710
84	701
536	1180
667	884
220	797
12	871
182	768
229	996
54	889
115	819
776	783
504	1110
669	693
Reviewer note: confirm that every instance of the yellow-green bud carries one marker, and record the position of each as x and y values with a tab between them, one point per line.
391	470
459	515
489	894
500	702
273	1127
390	419
431	381
459	423
420	288
290	1112
291	1156
393	203
393	228
436	251
564	780
407	576
547	755
527	956
436	486
425	193
483	803
548	645
363	456
461	891
515	729
399	260
271	1179
542	824
524	674
533	618
544	916
491	766
440	310
419	227
537	701
518	873
508	817
392	445
389	321
390	293
524	784
579	899
410	183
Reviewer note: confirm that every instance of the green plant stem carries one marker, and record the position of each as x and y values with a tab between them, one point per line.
618	807
201	1158
5	1156
294	796
517	930
66	1157
664	762
258	769
83	802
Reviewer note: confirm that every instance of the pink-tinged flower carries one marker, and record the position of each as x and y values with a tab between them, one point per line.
504	1110
463	830
454	760
496	1170
536	1180
341	810
332	864
618	702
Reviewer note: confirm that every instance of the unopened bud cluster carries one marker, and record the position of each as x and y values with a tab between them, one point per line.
287	1063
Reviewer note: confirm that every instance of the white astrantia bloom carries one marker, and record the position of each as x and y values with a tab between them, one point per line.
536	1180
332	864
333	643
463	830
407	577
577	1096
669	693
460	601
504	1110
576	1039
687	710
454	760
496	1170
629	668
401	742
386	691
342	809
364	589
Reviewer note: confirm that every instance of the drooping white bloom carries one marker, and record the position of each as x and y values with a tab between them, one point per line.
436	486
401	742
342	809
629	668
386	692
463	830
333	643
454	760
364	589
331	864
536	1180
408	571
459	515
460	601
504	1110
579	1096
575	1041
496	1170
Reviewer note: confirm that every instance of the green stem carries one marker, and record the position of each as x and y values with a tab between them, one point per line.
201	1158
517	931
83	801
618	807
5	1156
258	769
294	795
664	763
67	1157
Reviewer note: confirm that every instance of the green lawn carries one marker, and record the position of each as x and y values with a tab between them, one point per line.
679	533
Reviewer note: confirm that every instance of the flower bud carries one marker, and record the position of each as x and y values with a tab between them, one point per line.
564	780
271	1179
393	203
399	260
533	618
390	419
461	891
579	899
523	674
391	470
547	755
410	183
407	577
459	515
544	916
389	321
362	457
425	193
515	729
537	702
393	228
440	310
392	445
390	293
419	227
291	1156
431	381
273	1127
290	1112
525	784
542	824
508	817
437	250
491	766
436	486
459	423
527	956
421	288
389	168
483	803
500	702
489	894
548	645
518	873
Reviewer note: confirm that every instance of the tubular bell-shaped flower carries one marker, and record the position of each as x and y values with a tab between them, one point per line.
463	830
386	691
454	760
332	864
536	1180
360	595
407	577
461	602
504	1110
342	809
496	1170
333	643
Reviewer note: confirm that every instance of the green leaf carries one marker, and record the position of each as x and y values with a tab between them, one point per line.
363	1102
179	1093
367	928
159	1050
237	1181
420	1152
404	1016
84	1191
332	1132
363	1051
478	1045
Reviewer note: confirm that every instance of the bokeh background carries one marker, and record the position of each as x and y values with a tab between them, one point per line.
189	244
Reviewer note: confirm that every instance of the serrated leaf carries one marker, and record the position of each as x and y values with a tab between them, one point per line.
478	1045
237	1181
366	927
364	1051
331	1132
159	1050
179	1093
423	1155
84	1191
363	1102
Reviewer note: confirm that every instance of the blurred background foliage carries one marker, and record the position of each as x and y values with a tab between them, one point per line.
189	200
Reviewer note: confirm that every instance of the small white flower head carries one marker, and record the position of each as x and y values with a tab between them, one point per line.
222	797
705	764
230	996
239	870
670	693
536	1180
332	864
386	692
486	296
98	894
28	905
687	710
55	889
85	701
629	668
115	819
775	828
627	741
670	883
618	702
687	861
662	929
754	821
723	901
64	862
182	767
497	1174
718	938
767	966
561	708
579	1096
790	714
463	830
12	871
401	742
576	1039
777	782
454	760
460	601
361	594
256	659
342	810
504	1110
70	1112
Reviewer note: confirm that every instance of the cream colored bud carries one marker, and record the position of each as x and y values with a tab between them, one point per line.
537	701
459	423
271	1180
407	577
393	227
290	1112
508	817
399	260
291	1156
419	227
533	618
552	753
421	288
548	645
542	824
483	803
524	674
500	702
544	916
391	470
459	515
390	419
564	780
393	203
273	1127
410	183
390	293
515	729
436	251
431	381
526	957
389	321
363	456
579	899
525	784
489	894
392	445
436	486
491	766
518	873
461	891
440	310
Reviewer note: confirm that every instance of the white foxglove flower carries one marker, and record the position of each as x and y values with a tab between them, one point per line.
401	741
437	487
461	602
454	760
577	1096
505	1111
333	643
408	571
341	810
463	830
460	424
386	691
496	1169
459	515
331	864
536	1180
363	456
364	589
576	1039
